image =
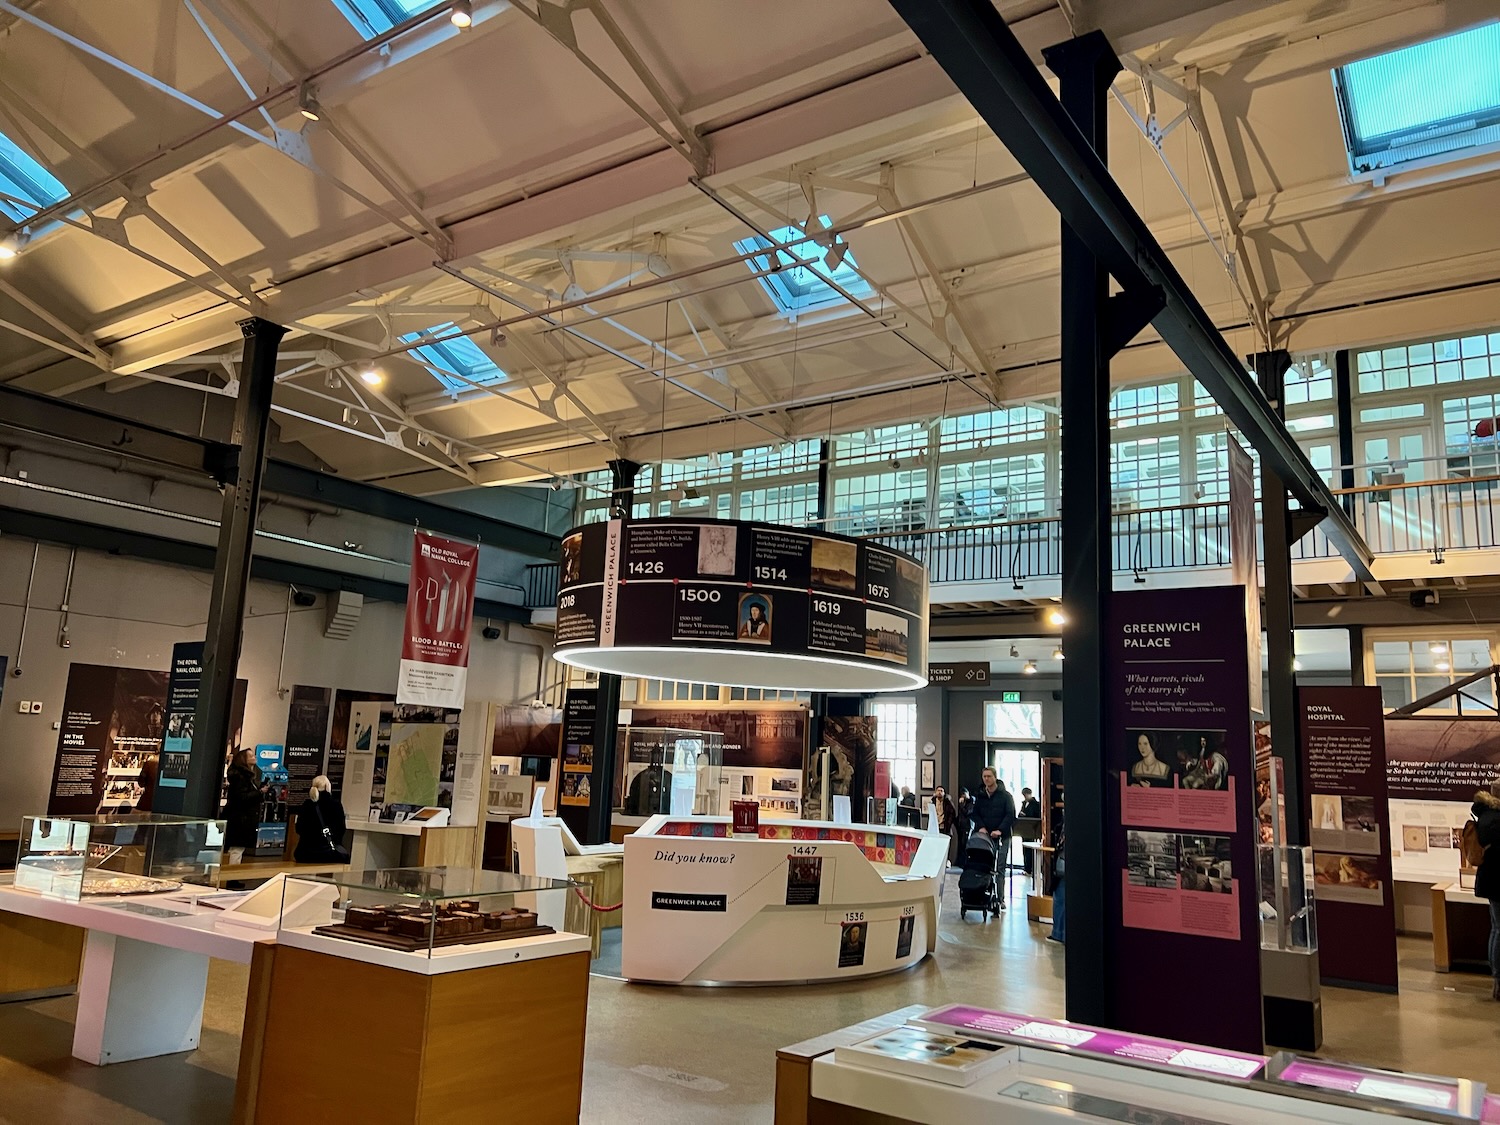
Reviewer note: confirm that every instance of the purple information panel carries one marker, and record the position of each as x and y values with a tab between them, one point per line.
1182	940
1342	732
1083	1039
1437	1094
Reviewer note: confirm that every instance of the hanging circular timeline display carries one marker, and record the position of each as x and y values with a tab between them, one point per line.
742	604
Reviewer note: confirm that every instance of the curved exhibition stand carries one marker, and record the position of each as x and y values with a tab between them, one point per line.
802	901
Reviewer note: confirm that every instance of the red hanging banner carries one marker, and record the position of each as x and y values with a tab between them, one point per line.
439	617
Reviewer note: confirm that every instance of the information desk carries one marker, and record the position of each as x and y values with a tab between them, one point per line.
802	901
1046	1071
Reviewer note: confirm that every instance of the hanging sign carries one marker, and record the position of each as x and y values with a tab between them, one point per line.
974	673
439	616
748	604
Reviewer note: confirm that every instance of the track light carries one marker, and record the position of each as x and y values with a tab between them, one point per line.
462	15
350	418
1437	648
1014	652
1029	668
1057	653
555	484
836	254
307	104
370	377
10	246
1296	665
1057	617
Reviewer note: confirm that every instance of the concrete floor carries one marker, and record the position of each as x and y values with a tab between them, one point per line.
699	1056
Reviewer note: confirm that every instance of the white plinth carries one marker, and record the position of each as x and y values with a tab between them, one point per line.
137	1000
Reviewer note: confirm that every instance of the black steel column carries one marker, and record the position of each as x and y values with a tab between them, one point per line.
1276	535
1357	655
1084	68
622	487
607	719
1343	389
226	602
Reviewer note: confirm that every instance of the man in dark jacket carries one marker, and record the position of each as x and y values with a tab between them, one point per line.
1487	879
995	816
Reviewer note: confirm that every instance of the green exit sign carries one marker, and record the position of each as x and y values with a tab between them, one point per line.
1010	697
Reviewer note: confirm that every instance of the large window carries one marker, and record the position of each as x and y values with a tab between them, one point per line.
1410	668
1424	103
1013	722
896	739
375	17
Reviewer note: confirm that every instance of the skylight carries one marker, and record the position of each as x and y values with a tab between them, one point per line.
21	177
797	289
459	356
1429	102
373	17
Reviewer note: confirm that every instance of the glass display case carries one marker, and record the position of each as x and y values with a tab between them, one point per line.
1288	920
669	770
426	909
74	857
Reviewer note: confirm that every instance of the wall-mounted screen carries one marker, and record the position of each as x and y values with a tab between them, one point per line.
1013	722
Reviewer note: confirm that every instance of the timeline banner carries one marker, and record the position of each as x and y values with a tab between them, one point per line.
439	618
776	605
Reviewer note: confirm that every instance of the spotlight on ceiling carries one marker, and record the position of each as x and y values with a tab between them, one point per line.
1443	666
307	104
1057	617
370	377
332	380
462	15
10	246
1296	665
1029	668
1057	653
1437	648
1014	652
836	254
555	484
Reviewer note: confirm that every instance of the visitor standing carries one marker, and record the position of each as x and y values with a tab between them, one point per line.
947	819
247	789
1031	808
995	816
1487	880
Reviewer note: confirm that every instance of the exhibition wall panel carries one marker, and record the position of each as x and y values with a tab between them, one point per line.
130	613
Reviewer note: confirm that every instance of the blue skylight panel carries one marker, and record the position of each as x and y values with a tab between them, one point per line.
373	17
798	288
23	178
458	363
1429	100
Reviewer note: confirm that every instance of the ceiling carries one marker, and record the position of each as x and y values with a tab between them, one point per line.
567	184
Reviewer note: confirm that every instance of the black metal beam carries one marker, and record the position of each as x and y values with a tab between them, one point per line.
383	503
228	591
1093	329
971	42
112	540
1276	536
59	420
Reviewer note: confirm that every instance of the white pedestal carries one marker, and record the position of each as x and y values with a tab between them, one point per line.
137	1000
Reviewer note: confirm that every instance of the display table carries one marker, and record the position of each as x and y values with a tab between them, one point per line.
144	970
1460	929
375	844
802	901
1047	1071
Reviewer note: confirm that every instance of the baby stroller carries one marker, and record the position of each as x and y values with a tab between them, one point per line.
976	883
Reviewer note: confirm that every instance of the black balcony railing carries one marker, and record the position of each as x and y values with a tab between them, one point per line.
541	585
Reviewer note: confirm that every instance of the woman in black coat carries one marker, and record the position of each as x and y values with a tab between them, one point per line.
320	826
247	789
1486	812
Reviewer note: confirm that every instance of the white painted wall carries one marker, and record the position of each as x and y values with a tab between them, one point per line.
131	613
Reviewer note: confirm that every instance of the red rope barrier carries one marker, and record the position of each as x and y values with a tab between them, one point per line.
594	906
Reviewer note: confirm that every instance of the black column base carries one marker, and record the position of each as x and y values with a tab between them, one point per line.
1295	1025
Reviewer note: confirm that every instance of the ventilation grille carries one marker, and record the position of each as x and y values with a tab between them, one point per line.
344	607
